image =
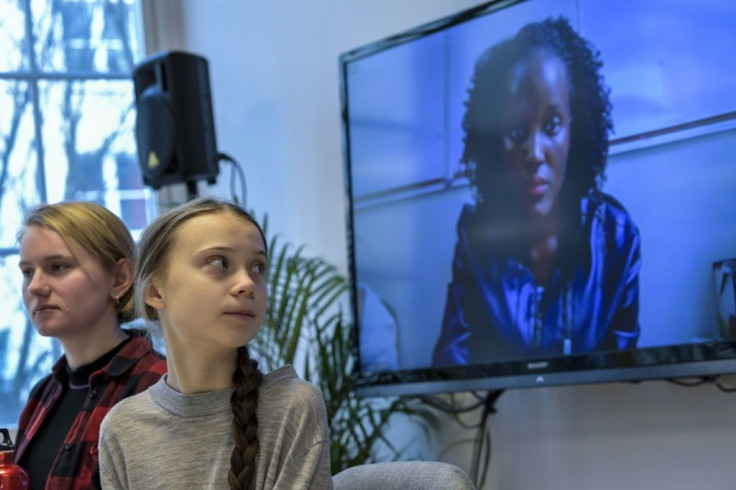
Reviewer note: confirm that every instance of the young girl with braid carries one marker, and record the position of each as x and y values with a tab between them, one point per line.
215	421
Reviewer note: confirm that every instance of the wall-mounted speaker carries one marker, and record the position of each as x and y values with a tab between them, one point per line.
175	127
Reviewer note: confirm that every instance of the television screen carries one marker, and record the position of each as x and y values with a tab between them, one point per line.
543	192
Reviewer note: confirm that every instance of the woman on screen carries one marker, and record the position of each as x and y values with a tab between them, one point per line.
214	421
545	263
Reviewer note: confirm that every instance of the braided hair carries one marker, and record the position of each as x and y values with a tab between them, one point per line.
151	259
244	403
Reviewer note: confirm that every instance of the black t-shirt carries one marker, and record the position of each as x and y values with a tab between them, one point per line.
49	440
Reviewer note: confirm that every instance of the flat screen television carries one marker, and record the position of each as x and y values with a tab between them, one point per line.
542	193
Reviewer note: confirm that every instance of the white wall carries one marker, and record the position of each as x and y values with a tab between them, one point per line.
274	72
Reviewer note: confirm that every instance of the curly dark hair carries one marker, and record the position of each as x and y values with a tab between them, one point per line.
589	101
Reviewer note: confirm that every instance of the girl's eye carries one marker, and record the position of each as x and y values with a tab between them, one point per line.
26	273
220	262
59	267
259	268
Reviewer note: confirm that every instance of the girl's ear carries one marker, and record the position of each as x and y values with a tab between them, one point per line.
152	296
122	278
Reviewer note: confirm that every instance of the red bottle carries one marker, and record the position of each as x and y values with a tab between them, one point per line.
12	476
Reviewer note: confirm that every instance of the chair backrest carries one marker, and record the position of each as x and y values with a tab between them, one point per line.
403	475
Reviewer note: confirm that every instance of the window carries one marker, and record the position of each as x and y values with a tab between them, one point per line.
67	117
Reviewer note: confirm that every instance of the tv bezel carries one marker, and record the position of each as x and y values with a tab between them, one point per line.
703	359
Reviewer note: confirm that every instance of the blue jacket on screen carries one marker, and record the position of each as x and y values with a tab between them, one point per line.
496	312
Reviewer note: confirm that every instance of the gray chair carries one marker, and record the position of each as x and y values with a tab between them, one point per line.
403	475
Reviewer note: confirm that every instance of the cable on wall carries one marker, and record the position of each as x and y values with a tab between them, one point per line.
237	170
702	380
481	455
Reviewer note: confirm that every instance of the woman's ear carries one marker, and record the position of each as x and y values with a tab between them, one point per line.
152	296
122	278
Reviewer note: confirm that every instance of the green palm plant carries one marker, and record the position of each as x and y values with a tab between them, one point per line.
307	327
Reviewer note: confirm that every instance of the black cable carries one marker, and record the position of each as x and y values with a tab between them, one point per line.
724	389
478	447
487	462
463	424
475	456
239	170
481	397
482	440
680	382
715	380
450	408
489	407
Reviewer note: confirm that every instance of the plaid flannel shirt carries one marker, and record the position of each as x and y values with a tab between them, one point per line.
136	367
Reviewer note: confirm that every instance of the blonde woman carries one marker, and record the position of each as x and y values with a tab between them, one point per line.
215	421
76	259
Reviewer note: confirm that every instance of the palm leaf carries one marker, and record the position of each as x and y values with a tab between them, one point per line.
306	320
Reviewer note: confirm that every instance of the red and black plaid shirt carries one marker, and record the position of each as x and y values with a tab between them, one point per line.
136	367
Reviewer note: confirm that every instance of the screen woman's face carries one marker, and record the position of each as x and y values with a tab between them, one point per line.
536	131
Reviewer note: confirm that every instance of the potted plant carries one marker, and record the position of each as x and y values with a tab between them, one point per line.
307	326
